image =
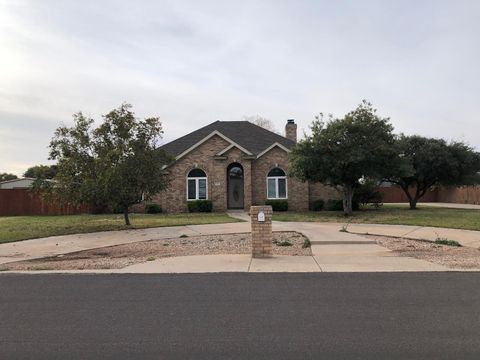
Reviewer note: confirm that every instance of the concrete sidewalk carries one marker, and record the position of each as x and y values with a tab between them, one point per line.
468	238
332	249
444	205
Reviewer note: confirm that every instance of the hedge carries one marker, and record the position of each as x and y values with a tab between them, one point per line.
317	205
153	208
278	205
200	206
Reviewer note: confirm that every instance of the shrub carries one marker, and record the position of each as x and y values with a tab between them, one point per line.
337	205
445	241
153	208
306	244
200	206
368	193
116	210
283	243
278	205
317	205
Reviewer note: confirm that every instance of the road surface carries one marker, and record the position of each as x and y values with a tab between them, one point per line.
241	316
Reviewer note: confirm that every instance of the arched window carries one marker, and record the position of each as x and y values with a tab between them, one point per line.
197	185
276	184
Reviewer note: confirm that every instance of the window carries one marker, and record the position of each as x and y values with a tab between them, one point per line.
197	185
276	184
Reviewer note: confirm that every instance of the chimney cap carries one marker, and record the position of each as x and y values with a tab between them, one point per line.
291	121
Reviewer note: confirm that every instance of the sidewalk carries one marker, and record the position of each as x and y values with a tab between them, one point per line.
332	249
445	205
468	238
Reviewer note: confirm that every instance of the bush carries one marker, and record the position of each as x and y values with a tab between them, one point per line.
306	244
337	205
368	193
445	241
153	208
317	205
282	243
200	206
278	205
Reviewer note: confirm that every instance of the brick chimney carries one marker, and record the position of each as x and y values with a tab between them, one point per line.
291	130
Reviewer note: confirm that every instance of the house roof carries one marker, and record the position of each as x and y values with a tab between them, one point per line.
249	137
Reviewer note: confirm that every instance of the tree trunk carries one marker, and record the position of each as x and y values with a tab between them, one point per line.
347	200
125	215
411	199
413	203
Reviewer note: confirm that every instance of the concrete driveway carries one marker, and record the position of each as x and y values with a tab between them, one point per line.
332	250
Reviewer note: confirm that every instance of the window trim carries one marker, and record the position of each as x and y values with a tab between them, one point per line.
276	178
197	185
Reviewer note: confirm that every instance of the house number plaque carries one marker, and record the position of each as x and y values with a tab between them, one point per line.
261	216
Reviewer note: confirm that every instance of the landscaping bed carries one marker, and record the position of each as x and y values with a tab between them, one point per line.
120	256
451	256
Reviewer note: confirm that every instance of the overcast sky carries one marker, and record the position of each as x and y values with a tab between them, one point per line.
194	62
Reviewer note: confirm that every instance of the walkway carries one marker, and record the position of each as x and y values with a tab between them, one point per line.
444	205
332	250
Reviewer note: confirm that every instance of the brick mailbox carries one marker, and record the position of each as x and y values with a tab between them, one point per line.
261	231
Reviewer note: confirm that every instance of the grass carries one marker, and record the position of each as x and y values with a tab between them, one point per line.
467	219
17	228
282	243
445	241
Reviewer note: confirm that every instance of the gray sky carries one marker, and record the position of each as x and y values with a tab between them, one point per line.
193	62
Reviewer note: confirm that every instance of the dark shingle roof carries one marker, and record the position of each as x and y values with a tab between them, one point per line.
253	138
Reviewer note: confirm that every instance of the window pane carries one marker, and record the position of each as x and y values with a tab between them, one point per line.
276	172
197	173
191	189
202	188
235	172
271	192
282	188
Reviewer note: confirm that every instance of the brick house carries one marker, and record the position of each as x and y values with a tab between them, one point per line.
235	164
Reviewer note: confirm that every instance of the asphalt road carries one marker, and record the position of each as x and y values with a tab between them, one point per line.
241	316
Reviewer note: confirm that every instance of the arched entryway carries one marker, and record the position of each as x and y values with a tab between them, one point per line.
235	186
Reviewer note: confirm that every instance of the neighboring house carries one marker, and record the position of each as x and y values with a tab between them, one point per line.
235	164
23	183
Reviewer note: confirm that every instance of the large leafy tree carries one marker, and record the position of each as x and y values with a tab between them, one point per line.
41	172
343	152
7	176
428	163
116	164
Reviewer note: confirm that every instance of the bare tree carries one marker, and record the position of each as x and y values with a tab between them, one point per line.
261	121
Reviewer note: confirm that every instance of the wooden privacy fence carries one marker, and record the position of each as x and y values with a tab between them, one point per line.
459	195
15	202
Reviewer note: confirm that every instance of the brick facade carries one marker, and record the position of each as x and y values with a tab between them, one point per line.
255	170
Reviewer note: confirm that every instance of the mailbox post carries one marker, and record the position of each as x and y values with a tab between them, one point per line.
261	217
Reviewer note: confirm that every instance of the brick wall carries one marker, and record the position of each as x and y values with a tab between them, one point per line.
297	190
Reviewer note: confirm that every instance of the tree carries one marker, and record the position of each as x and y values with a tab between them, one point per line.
428	163
342	152
262	122
7	176
41	172
116	164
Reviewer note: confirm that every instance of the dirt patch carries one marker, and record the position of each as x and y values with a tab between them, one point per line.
450	256
120	256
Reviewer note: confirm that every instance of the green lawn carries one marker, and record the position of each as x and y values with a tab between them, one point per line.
16	228
396	215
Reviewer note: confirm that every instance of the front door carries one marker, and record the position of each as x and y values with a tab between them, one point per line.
235	186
